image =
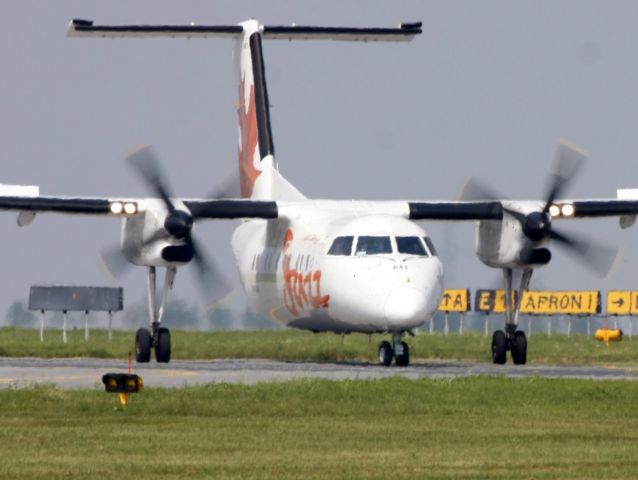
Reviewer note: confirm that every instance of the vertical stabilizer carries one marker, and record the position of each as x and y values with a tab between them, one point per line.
256	149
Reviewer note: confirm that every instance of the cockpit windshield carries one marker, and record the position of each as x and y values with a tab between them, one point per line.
368	245
411	246
430	245
341	246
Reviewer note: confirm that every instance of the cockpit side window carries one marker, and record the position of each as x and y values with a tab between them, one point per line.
341	246
411	246
367	245
430	245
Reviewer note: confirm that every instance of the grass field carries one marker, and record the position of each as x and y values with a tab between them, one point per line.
395	428
301	345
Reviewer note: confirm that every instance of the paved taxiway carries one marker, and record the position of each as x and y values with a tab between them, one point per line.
87	372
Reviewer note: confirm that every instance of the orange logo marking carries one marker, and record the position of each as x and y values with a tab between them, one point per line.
302	290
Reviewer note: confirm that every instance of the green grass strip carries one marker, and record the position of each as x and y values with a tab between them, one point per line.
480	427
302	345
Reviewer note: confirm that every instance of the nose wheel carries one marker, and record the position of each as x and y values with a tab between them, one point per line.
400	352
385	353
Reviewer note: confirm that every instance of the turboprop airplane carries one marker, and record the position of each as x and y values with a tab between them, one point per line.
321	265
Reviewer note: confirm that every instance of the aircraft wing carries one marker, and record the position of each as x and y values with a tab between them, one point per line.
213	209
604	208
245	209
493	210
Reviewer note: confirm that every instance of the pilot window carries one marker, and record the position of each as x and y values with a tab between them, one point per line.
373	245
411	246
430	246
341	246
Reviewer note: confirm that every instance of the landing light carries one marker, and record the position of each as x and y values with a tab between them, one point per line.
554	210
567	210
130	208
126	208
116	208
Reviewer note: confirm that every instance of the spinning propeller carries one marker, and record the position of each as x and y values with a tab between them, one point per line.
537	225
178	225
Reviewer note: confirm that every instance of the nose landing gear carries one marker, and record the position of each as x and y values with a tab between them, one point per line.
400	352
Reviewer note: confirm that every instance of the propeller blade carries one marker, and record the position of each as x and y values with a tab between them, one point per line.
213	284
144	161
568	161
474	190
521	217
229	188
158	235
113	261
599	258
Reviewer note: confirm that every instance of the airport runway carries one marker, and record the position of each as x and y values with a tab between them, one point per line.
87	372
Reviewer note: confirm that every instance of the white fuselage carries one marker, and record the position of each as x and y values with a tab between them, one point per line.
290	276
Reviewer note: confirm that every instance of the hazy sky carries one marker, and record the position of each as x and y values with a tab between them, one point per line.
486	90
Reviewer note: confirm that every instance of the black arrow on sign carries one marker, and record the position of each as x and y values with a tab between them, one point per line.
620	302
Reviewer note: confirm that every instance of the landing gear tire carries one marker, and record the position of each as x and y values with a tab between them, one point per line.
143	345
519	348
403	360
385	353
163	346
499	347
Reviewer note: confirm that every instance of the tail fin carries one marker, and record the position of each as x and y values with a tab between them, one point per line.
259	177
256	148
258	174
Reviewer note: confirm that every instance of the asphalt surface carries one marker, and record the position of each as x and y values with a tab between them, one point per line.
87	372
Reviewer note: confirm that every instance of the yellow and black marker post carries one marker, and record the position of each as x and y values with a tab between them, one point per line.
123	384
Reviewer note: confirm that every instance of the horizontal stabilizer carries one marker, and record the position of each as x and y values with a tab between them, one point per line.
627	193
19	190
405	32
86	28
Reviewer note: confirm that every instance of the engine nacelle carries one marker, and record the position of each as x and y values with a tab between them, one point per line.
146	242
504	244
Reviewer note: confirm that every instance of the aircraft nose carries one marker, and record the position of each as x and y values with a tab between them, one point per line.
404	305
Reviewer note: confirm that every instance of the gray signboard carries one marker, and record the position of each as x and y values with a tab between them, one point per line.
70	298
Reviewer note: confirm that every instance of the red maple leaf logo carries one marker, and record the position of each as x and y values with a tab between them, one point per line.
248	131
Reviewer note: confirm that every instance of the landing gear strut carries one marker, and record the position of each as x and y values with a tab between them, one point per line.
512	339
157	337
400	352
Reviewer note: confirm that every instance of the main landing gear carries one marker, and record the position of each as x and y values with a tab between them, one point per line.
400	352
158	338
511	339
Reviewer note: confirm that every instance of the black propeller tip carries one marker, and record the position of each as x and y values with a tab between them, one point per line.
144	161
568	161
601	259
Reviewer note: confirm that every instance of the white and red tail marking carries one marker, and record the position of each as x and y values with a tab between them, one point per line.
250	123
259	179
248	153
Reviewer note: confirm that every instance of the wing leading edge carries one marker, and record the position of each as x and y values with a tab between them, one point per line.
246	209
